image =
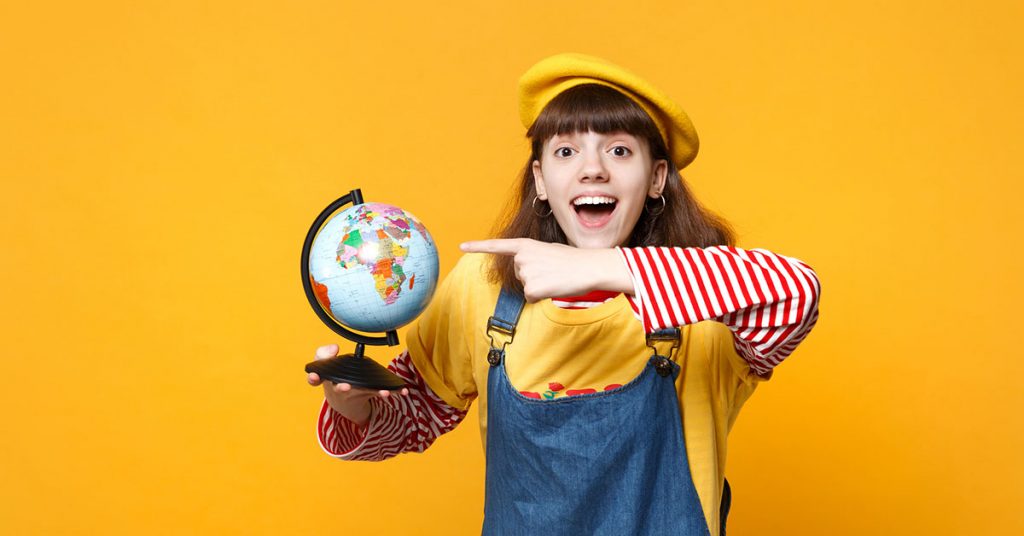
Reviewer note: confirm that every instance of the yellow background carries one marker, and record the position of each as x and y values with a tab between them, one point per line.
161	164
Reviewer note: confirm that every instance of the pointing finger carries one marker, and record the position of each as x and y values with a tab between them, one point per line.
498	246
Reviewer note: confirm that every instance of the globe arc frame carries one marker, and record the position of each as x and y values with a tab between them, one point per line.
390	338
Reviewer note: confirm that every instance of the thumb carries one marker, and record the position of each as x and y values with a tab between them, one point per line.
327	352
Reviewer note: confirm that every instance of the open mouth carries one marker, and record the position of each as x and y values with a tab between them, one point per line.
594	211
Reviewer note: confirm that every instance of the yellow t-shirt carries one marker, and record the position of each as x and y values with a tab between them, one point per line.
556	350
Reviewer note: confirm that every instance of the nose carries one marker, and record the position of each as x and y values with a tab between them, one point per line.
593	169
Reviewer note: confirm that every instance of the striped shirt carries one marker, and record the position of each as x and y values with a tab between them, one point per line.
768	301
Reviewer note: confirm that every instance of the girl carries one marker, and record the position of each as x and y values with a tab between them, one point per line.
610	336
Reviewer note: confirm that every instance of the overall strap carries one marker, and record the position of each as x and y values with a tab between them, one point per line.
503	323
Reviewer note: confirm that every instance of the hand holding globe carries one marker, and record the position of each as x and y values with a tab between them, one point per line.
351	402
373	268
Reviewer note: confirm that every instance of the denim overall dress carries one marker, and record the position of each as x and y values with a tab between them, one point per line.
611	462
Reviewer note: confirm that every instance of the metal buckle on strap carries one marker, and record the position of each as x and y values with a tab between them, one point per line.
495	355
503	323
662	363
499	325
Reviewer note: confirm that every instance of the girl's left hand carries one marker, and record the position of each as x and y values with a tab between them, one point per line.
552	270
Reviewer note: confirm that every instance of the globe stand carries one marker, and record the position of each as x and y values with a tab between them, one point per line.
355	368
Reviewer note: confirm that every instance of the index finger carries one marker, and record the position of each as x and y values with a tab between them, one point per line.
498	246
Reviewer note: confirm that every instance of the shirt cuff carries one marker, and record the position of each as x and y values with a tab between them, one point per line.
340	437
632	277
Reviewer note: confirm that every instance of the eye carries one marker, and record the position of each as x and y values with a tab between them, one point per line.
563	152
621	150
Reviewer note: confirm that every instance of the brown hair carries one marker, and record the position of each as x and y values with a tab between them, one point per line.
601	109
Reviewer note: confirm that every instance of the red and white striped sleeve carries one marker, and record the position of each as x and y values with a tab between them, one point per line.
397	424
769	301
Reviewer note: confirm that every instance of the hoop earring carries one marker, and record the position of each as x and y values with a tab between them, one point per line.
534	205
661	209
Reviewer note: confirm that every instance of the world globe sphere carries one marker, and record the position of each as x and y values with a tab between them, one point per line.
373	267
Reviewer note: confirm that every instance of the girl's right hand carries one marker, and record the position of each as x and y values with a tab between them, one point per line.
351	402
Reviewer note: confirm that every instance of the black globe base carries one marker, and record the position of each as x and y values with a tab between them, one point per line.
356	370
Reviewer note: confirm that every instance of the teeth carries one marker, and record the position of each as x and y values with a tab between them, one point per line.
592	201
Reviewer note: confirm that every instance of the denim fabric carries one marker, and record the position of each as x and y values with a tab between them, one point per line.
612	462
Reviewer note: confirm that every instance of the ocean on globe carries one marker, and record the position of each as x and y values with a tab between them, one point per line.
373	267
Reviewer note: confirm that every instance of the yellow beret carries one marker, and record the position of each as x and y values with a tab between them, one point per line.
551	76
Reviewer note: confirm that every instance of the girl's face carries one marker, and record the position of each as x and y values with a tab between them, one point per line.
597	184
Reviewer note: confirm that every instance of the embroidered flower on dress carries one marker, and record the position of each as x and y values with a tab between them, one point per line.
555	389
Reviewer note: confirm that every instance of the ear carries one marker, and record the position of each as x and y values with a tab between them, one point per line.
538	181
658	176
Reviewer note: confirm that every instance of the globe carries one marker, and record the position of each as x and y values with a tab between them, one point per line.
373	267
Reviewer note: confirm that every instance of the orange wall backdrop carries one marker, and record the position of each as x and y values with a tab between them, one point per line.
161	164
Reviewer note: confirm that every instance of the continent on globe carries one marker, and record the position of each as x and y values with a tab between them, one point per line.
387	270
320	290
382	252
373	267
